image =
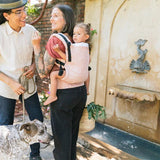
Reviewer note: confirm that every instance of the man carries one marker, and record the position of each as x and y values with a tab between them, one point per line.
16	52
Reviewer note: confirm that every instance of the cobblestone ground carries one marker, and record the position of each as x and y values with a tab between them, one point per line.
83	152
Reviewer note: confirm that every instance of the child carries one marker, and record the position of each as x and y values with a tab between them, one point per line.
76	70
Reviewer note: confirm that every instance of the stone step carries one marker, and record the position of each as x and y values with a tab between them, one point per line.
90	148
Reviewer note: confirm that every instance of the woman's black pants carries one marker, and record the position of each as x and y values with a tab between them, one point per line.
66	113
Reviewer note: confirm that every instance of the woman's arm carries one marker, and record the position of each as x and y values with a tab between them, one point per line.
44	63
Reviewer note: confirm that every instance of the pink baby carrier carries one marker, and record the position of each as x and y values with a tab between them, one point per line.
77	60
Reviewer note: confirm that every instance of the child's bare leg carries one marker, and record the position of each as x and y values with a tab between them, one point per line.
53	88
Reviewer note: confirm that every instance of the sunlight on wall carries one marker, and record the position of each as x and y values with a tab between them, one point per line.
37	1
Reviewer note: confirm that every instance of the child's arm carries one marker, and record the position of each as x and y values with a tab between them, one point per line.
57	49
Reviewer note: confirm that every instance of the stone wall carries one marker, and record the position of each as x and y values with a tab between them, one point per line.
119	25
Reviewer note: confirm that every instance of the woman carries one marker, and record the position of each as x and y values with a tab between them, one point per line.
66	112
16	52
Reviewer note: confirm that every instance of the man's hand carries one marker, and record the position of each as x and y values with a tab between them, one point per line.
29	71
17	87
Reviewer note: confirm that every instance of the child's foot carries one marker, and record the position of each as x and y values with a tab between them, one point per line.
50	99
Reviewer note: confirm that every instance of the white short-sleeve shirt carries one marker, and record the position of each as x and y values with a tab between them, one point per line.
16	52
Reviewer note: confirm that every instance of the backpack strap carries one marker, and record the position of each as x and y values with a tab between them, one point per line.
59	62
68	46
61	69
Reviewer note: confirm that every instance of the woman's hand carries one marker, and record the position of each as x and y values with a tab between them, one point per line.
29	71
36	39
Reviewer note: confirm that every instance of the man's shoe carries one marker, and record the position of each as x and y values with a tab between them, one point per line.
35	158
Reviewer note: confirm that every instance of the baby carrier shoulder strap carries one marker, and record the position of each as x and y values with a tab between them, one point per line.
69	54
68	46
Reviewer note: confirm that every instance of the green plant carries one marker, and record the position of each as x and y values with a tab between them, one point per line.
93	31
45	108
96	111
32	10
42	98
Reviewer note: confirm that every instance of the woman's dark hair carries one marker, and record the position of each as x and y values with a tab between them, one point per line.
69	18
2	18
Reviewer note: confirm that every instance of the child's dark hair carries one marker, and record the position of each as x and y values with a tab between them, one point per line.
87	28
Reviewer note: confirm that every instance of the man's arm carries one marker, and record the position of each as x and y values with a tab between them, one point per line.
14	85
30	70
